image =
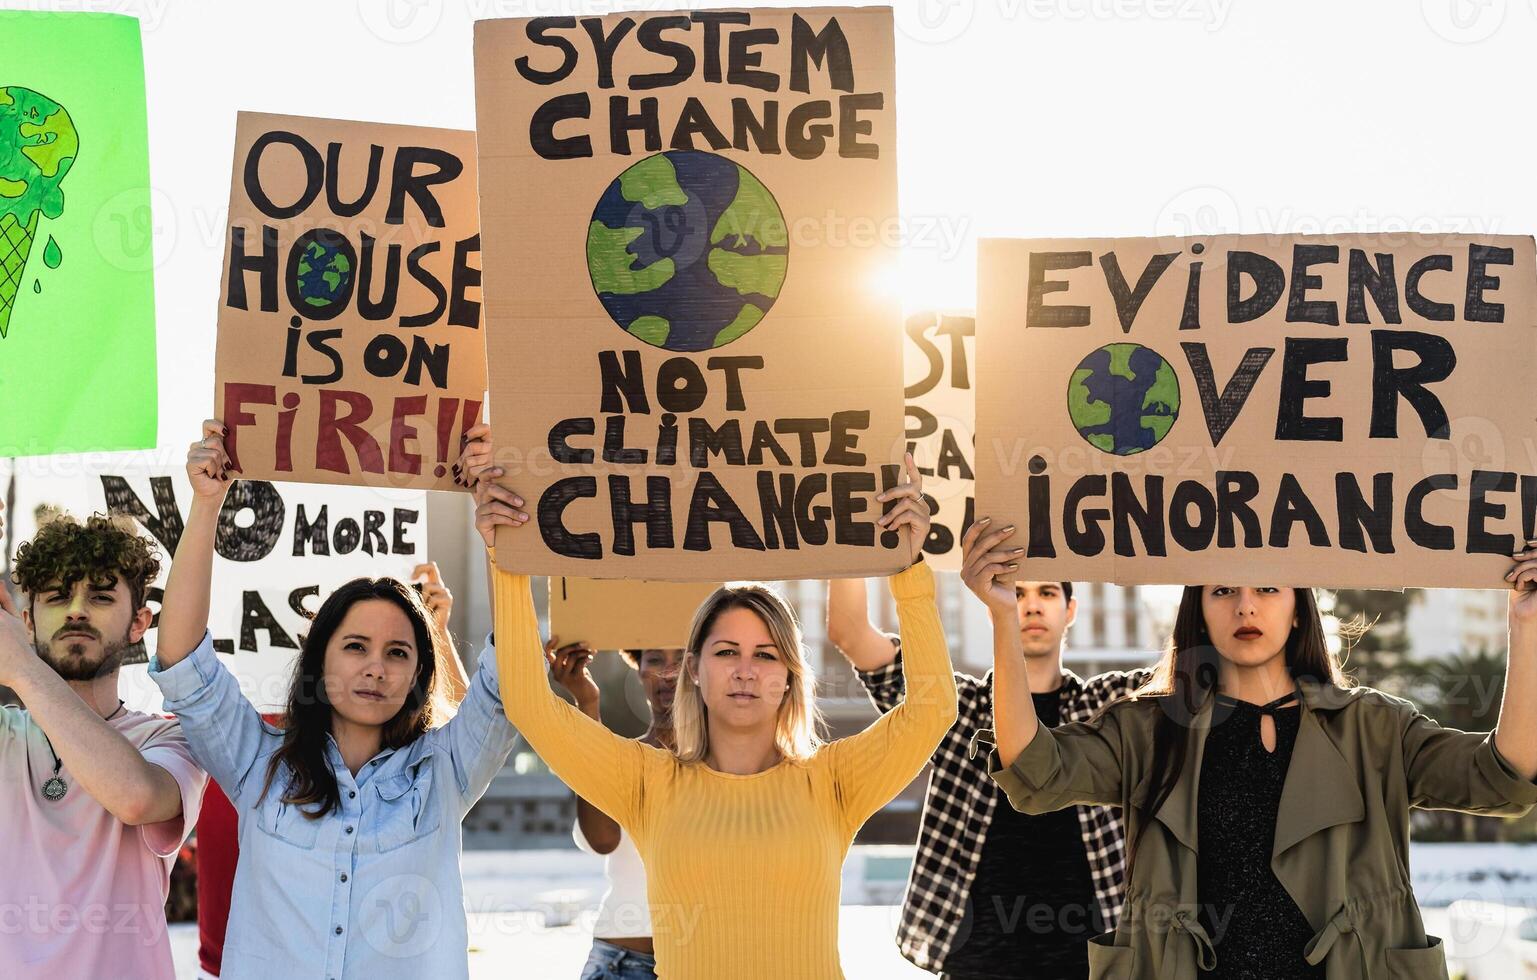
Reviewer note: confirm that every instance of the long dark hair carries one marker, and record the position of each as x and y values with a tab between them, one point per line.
1186	676
311	782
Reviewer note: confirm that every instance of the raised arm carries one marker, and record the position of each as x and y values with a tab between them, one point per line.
478	738
184	609
1487	774
568	665
440	602
1516	734
849	629
106	765
597	764
872	767
223	729
985	556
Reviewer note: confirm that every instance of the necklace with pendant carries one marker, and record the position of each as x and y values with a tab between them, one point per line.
55	788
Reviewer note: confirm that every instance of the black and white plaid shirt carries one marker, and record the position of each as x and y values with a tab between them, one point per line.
959	809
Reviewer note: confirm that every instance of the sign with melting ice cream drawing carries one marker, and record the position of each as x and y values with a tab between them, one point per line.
38	143
77	306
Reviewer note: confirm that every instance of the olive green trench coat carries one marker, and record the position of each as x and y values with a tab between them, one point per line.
1361	760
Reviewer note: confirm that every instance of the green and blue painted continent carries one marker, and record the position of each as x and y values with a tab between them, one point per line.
1123	398
687	250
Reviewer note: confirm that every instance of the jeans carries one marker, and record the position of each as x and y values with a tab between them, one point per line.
610	962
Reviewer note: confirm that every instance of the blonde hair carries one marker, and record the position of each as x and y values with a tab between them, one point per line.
797	732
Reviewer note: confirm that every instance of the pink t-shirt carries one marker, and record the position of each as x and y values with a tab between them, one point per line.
81	893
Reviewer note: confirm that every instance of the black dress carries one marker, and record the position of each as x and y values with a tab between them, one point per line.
1257	929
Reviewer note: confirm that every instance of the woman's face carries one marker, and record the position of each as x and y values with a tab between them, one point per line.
741	672
1249	625
658	672
371	662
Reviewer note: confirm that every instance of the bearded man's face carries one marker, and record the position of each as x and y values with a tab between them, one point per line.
85	631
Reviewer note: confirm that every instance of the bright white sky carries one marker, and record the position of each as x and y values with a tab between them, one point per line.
1016	117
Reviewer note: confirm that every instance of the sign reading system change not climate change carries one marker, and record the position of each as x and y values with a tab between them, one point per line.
687	222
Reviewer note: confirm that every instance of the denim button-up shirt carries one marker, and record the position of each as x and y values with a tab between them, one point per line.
368	891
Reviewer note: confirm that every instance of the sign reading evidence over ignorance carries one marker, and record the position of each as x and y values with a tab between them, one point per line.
1346	411
686	219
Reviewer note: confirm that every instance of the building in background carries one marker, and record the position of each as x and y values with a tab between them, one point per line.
1444	622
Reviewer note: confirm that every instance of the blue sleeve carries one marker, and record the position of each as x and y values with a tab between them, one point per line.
223	730
479	738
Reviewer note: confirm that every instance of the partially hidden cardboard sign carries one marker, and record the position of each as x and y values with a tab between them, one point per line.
941	416
695	369
77	258
281	549
1345	411
619	614
350	346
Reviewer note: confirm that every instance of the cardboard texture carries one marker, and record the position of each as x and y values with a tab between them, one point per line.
685	237
350	349
1342	411
281	549
941	415
77	259
615	614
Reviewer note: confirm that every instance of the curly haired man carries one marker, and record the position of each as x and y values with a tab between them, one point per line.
95	799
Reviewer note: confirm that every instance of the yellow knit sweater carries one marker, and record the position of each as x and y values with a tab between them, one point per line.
743	872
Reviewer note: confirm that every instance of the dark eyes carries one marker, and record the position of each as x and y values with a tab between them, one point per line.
397	652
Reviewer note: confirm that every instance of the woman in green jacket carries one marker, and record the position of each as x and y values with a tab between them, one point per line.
1267	801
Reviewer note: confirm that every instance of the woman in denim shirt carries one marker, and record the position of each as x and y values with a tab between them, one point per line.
349	829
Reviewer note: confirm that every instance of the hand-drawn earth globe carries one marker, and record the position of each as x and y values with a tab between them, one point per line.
323	273
1123	398
687	250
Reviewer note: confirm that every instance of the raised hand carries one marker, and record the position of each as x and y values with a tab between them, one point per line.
7	604
982	561
208	465
568	665
910	515
475	457
496	506
16	651
439	601
1523	585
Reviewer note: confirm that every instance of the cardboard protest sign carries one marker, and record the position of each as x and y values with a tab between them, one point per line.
281	549
686	217
77	288
618	614
941	416
350	347
1347	410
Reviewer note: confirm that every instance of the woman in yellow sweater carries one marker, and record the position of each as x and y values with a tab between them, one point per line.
743	828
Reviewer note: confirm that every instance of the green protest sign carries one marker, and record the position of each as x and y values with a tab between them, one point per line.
77	299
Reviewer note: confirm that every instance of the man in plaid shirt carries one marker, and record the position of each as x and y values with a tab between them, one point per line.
995	893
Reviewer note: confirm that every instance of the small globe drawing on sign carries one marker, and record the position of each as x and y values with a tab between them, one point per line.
687	250
1123	398
323	274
